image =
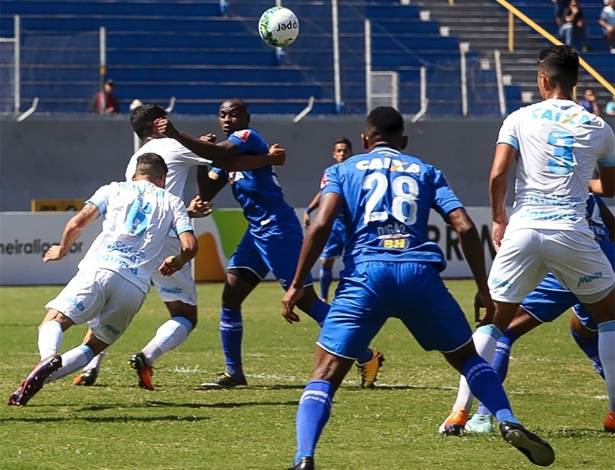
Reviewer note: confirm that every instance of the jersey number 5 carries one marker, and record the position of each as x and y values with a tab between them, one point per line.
563	160
403	206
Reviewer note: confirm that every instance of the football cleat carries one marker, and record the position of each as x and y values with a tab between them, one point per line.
144	370
86	378
306	463
226	381
454	424
538	451
369	370
480	423
609	422
35	381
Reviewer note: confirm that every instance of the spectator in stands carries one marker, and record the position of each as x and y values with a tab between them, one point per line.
105	102
572	29
560	7
590	103
610	107
607	21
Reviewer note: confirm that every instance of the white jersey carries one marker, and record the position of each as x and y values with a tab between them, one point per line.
178	158
138	218
559	145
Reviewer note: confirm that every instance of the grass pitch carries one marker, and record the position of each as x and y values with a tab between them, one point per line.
116	425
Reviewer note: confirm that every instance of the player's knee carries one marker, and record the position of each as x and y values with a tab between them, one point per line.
182	310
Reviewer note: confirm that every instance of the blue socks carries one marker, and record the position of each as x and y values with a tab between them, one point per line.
312	416
485	384
365	357
326	277
318	311
502	353
590	348
231	334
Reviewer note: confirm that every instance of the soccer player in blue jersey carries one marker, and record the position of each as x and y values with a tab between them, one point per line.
393	270
547	303
342	150
271	243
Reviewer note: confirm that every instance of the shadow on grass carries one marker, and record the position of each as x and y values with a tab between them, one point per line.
105	419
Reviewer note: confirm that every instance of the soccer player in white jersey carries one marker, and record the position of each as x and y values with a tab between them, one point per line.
115	274
557	145
178	292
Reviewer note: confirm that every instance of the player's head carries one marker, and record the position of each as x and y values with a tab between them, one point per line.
558	70
151	167
342	149
384	127
233	116
142	119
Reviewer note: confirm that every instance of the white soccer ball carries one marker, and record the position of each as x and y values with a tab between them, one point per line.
278	27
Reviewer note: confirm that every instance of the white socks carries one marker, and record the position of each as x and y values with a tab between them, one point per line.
72	360
50	338
170	335
95	363
485	338
606	351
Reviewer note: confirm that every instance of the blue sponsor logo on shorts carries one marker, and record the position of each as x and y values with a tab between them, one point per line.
589	278
171	290
112	329
78	304
499	284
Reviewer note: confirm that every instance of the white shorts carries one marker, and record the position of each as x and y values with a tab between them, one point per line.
527	255
103	299
180	286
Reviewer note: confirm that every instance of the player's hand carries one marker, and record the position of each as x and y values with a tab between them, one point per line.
497	233
306	220
277	155
170	266
288	304
166	128
54	253
483	300
208	137
199	208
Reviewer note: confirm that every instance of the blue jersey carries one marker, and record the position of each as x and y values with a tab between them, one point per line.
257	191
387	200
601	232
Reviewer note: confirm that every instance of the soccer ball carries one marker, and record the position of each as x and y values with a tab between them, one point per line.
278	27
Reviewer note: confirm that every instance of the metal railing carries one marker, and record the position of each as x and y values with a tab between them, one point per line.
513	13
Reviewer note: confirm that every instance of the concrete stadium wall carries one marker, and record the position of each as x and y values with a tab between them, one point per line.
68	157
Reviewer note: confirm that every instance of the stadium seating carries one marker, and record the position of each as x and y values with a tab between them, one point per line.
162	48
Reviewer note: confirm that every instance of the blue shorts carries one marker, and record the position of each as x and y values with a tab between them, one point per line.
335	244
275	250
550	300
370	293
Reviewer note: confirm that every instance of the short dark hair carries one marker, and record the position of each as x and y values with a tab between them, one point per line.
141	118
151	164
344	140
385	121
561	65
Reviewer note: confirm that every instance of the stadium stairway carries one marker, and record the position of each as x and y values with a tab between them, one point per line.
162	48
484	24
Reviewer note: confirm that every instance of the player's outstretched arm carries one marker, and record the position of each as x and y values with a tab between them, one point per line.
498	186
473	251
312	206
199	208
313	244
72	231
209	183
223	155
190	247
